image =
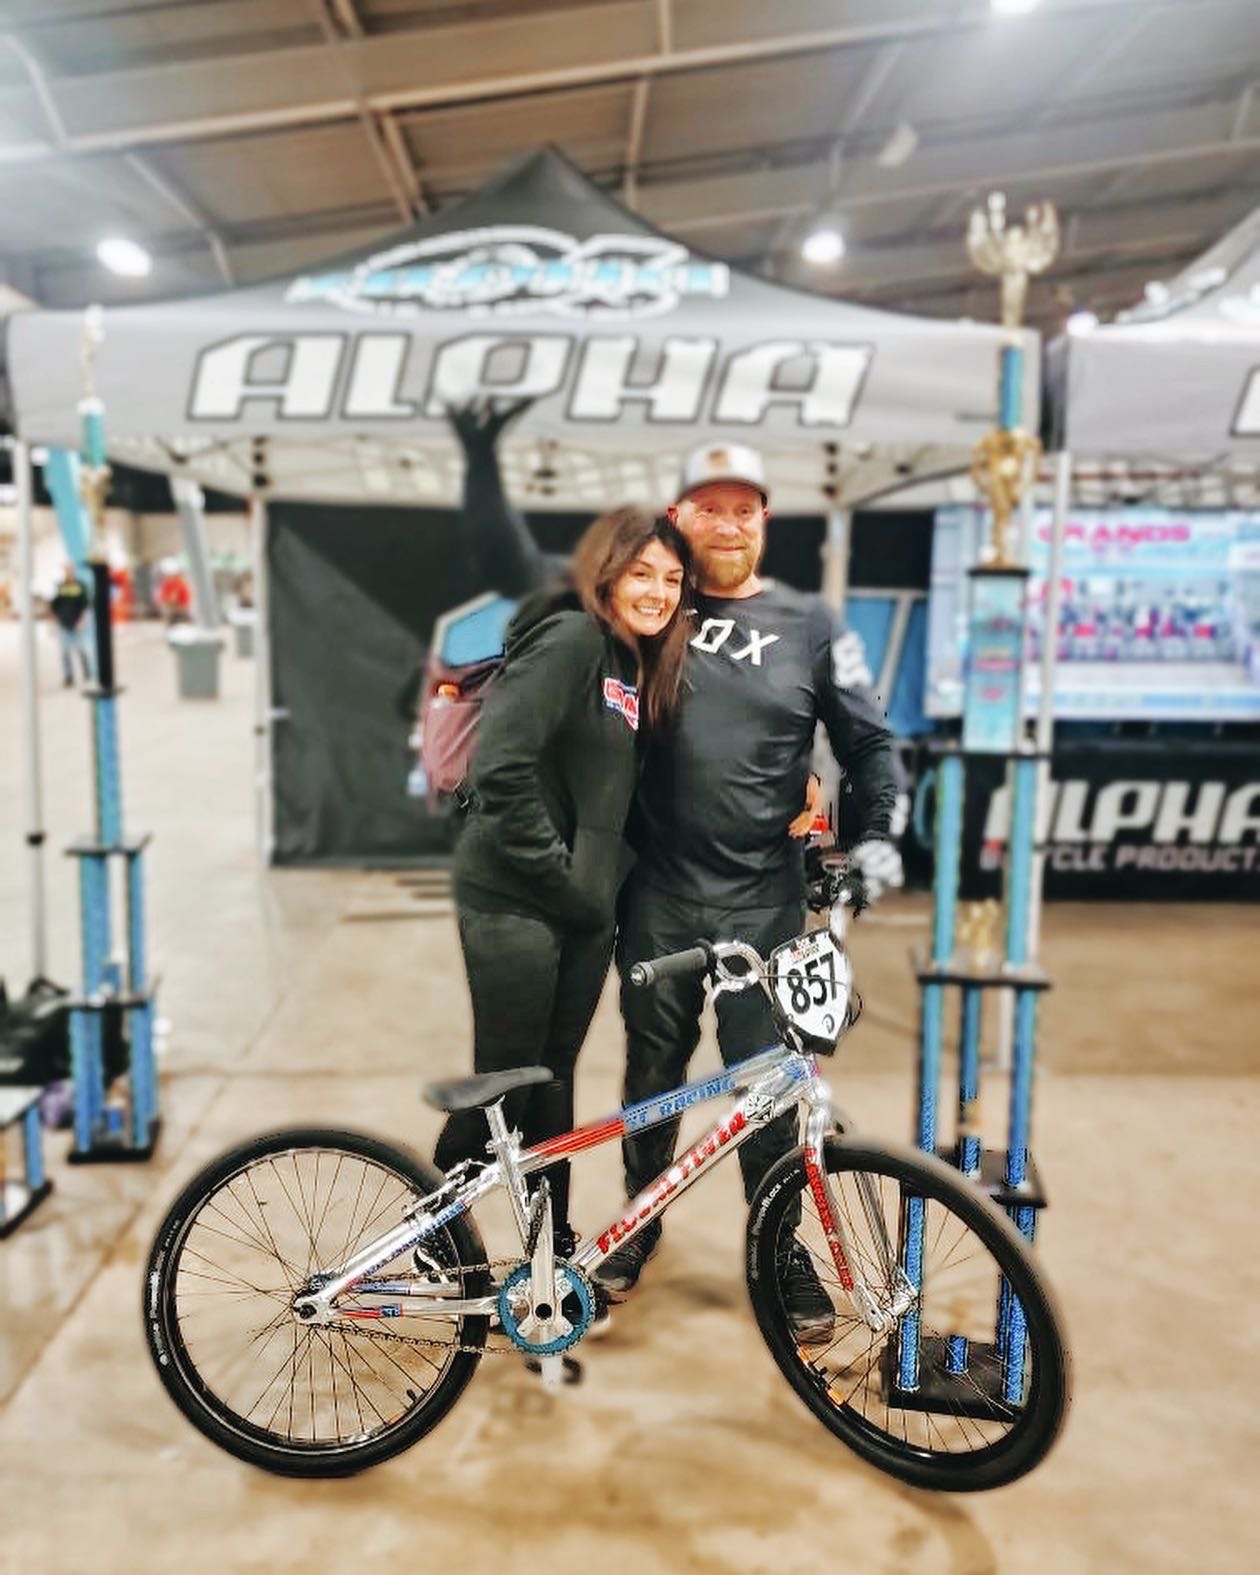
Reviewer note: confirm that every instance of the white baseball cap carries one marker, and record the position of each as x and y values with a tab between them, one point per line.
723	462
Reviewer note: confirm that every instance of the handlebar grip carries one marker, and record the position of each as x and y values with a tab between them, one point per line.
693	960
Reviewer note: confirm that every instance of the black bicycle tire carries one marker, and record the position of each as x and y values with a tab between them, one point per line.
1046	1409
163	1343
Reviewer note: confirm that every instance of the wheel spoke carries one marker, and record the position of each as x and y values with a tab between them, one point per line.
952	1422
229	1286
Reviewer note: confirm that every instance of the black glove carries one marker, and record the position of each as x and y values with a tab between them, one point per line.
478	423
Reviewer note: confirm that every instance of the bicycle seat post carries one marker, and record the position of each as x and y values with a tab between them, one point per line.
506	1148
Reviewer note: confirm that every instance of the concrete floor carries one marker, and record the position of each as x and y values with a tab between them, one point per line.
331	996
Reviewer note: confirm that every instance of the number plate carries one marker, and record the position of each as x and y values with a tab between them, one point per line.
811	978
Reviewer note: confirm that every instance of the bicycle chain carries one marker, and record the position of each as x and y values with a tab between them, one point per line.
360	1328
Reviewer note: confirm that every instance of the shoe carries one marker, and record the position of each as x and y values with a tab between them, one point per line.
619	1273
811	1316
564	1241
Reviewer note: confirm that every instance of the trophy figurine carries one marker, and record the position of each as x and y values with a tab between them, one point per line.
1013	252
1004	459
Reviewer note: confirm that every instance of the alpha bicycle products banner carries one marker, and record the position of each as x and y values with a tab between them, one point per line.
1165	822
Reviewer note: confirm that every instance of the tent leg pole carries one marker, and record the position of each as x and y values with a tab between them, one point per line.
835	559
190	506
34	787
1045	702
264	825
835	586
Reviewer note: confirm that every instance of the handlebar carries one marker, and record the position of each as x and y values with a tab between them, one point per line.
832	882
696	959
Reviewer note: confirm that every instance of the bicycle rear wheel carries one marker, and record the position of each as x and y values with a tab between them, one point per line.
968	1386
236	1247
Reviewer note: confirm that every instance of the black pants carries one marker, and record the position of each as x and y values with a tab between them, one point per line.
534	990
663	1020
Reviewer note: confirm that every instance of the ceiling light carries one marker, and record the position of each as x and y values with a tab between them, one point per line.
824	244
1082	322
900	145
125	257
1013	7
1156	292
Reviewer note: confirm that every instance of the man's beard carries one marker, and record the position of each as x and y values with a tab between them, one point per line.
724	571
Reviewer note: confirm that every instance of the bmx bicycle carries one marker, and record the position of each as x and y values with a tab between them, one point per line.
317	1300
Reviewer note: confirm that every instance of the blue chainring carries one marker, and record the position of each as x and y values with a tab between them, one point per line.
579	1286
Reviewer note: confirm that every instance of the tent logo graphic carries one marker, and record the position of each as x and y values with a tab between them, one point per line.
516	268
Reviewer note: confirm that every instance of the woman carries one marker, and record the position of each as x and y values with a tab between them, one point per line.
590	666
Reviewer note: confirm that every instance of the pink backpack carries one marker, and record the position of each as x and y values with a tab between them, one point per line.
450	719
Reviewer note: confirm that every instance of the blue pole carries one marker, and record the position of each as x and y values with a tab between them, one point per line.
80	1056
109	792
912	1262
1023	837
61	473
932	1033
1019	1130
949	802
1010	389
969	1083
137	978
143	1078
94	903
32	1149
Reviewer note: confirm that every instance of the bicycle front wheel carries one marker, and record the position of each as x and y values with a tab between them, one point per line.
966	1384
240	1243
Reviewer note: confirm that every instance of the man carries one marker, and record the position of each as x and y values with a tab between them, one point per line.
715	813
718	811
69	607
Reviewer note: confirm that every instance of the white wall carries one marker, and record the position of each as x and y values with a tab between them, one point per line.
132	538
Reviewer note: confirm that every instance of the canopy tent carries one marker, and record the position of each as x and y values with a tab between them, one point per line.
332	385
1176	380
330	390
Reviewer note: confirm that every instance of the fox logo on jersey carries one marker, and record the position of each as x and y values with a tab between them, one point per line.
624	698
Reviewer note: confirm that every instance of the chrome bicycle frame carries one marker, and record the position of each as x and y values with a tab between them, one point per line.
774	1081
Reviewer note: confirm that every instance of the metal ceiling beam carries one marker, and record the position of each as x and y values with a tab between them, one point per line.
43	92
899	266
187	210
348	17
1145	230
634	141
1030	162
639	105
494	58
339	20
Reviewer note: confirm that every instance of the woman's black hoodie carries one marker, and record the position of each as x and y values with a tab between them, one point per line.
555	770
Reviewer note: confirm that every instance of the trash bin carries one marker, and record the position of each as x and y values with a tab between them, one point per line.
196	661
242	620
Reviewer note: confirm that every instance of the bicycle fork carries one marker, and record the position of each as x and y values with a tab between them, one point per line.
880	1312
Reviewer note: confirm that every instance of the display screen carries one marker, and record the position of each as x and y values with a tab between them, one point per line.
1159	618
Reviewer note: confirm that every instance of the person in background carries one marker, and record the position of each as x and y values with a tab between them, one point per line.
69	606
592	666
174	597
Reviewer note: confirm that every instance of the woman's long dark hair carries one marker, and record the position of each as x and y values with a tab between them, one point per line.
607	549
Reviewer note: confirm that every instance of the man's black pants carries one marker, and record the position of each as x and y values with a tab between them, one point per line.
663	1020
534	990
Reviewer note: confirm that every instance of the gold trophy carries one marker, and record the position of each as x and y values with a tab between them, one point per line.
978	934
1003	464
